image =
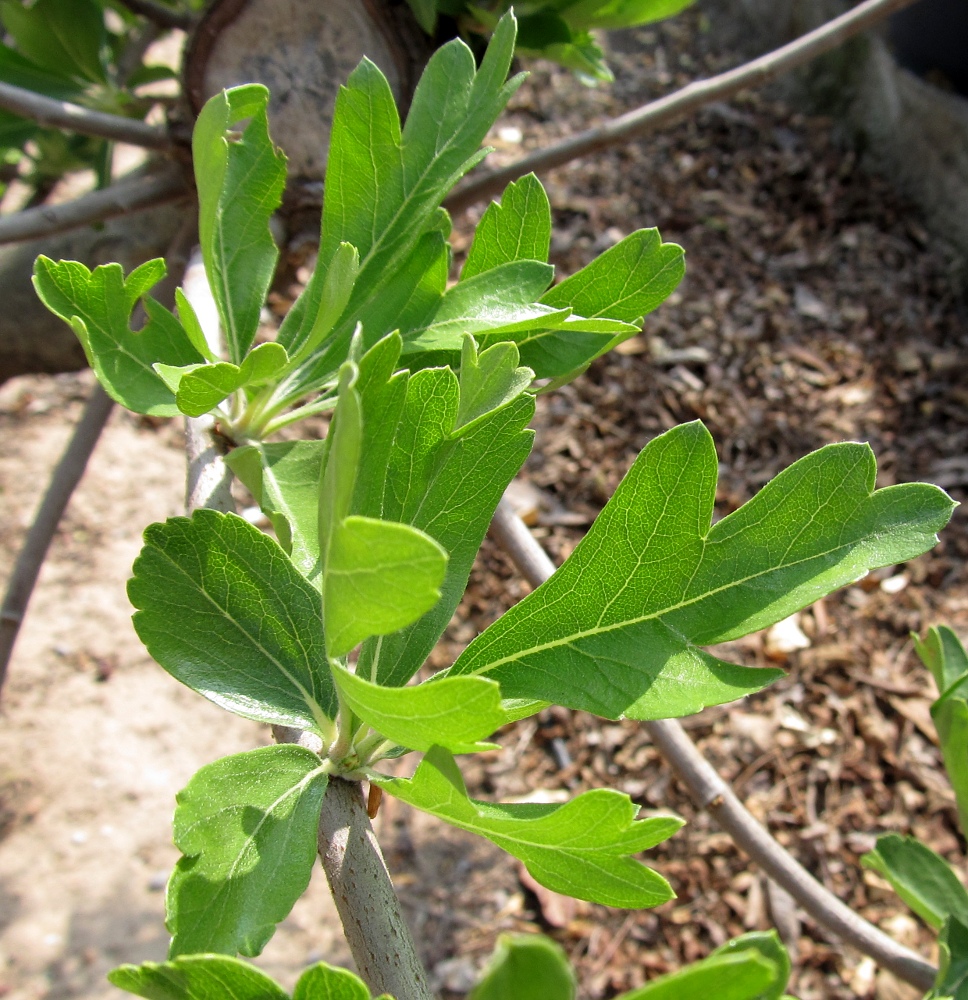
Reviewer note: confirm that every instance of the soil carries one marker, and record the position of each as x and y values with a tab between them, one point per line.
815	309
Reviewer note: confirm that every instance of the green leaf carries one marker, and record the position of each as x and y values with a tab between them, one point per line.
618	629
626	282
22	72
379	577
328	982
489	380
247	828
952	980
581	848
198	977
500	301
193	328
446	481
240	184
526	967
283	477
944	655
769	945
451	713
519	228
98	304
384	186
922	878
614	14
425	11
746	975
223	610
61	36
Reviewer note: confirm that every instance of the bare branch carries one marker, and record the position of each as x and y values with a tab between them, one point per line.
74	118
129	195
66	476
161	14
713	794
651	116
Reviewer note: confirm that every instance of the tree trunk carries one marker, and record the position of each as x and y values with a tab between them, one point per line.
302	50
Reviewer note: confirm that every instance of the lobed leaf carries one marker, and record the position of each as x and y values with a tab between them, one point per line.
246	826
618	629
98	304
223	610
581	848
454	713
240	182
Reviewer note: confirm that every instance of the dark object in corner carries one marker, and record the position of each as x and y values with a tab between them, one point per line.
931	38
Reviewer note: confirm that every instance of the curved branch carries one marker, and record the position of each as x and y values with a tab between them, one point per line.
713	794
161	14
651	116
74	118
129	195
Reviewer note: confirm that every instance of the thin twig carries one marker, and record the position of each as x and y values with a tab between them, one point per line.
161	14
74	118
66	476
713	794
651	116
131	194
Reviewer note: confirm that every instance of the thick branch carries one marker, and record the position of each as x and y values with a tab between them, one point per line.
651	116
161	14
63	482
129	195
712	793
74	118
375	928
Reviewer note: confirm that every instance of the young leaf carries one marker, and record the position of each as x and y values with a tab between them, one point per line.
517	229
488	380
223	610
526	967
378	577
614	14
626	282
943	654
329	982
283	477
384	186
247	828
425	11
952	980
769	945
451	713
192	325
618	629
446	481
240	184
197	977
746	975
98	304
581	848
922	878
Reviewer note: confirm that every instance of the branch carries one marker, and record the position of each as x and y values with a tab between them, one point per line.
375	928
713	794
129	195
160	14
63	482
74	118
65	478
369	909
651	116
